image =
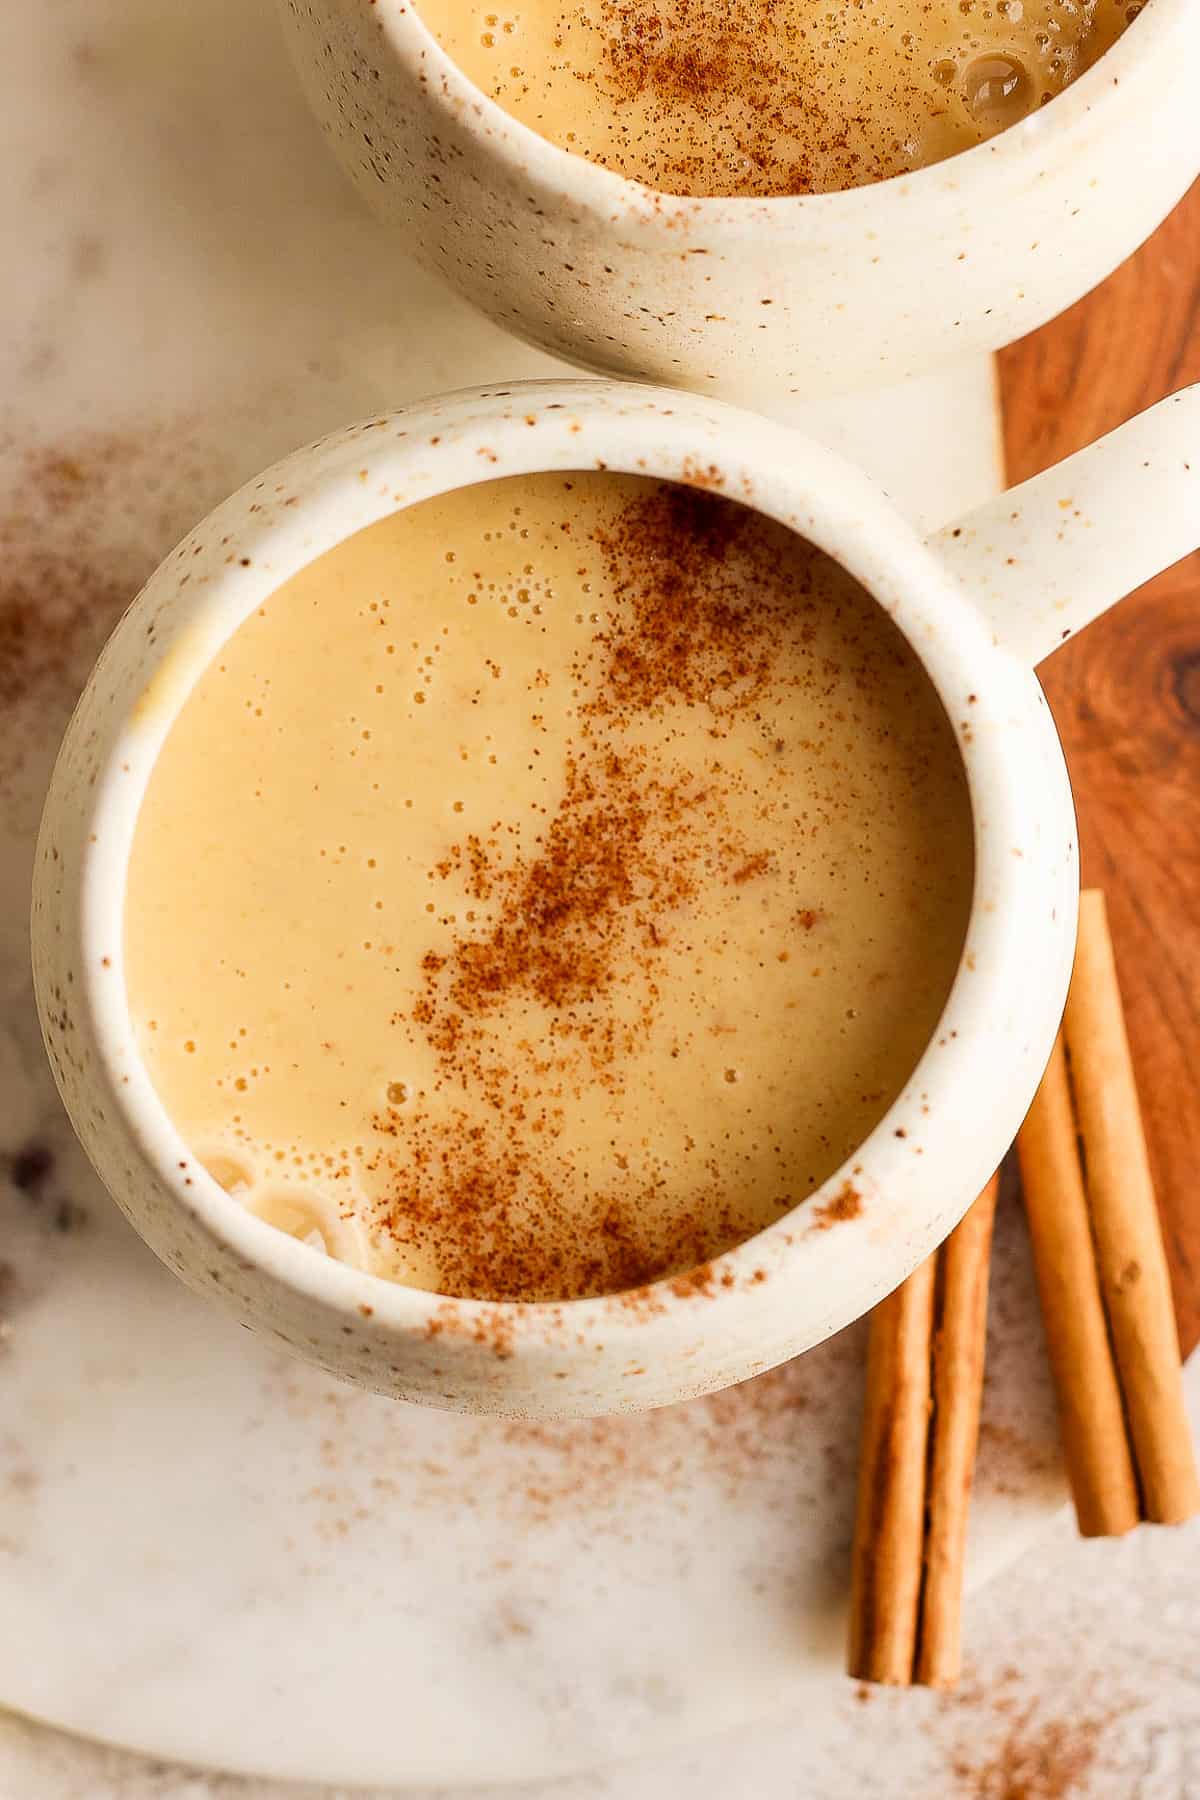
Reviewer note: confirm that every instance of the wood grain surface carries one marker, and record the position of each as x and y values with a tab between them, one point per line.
1126	697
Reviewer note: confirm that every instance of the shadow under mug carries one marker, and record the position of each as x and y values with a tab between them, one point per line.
980	604
755	300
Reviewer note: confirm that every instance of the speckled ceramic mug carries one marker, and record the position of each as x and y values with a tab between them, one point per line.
755	300
981	603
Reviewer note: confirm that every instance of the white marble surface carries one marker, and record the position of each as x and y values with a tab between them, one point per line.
189	291
1082	1685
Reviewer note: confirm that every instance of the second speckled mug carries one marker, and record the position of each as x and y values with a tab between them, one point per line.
755	300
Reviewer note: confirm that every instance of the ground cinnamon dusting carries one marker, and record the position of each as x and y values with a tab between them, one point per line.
775	97
574	1006
845	1204
82	525
1051	1761
745	1442
693	61
578	924
54	590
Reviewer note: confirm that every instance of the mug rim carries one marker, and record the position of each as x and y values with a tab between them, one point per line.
808	489
614	199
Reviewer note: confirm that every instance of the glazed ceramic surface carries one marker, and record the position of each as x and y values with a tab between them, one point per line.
816	1269
755	300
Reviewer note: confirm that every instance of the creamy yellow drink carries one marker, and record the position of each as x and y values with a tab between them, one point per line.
772	96
547	888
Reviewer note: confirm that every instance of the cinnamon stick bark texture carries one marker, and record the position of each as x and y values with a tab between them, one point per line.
885	1578
925	1361
1090	1415
1125	1226
959	1345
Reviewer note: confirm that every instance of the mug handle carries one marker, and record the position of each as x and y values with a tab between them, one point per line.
1046	558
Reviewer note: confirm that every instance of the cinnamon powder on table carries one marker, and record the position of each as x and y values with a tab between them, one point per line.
57	596
82	525
1050	1761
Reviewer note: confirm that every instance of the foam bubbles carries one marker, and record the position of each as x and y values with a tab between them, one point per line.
314	1219
998	91
231	1174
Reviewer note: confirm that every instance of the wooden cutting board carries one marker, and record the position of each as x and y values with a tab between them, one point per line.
1126	697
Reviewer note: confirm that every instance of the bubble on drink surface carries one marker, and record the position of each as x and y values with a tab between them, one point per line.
316	1220
229	1173
397	1093
998	91
945	71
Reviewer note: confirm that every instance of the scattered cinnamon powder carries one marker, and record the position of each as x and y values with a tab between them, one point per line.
846	1204
81	527
687	61
702	1280
53	592
1050	1761
754	865
744	1441
577	926
687	563
491	1327
565	1061
773	97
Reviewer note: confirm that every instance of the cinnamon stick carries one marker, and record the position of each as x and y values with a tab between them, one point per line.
958	1359
1091	1418
885	1576
1125	1226
925	1360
